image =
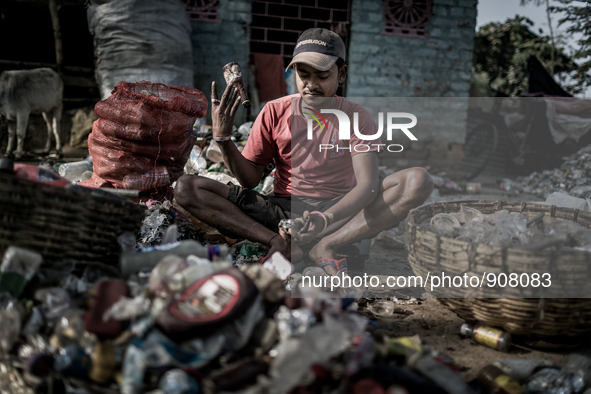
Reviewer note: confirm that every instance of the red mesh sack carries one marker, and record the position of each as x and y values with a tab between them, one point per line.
142	141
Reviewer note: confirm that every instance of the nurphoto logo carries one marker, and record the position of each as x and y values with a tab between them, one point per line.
345	129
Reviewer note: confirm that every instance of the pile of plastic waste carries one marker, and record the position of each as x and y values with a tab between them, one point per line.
180	317
206	158
571	178
506	229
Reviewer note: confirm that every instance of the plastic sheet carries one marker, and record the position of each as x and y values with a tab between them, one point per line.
152	42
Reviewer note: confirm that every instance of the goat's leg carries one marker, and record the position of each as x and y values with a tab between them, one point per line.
48	119
57	117
22	119
11	134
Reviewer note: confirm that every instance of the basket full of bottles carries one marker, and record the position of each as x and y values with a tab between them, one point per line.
523	267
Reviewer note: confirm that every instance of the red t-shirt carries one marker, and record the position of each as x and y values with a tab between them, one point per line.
302	168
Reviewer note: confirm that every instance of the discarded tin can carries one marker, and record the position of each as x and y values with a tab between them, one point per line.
494	379
473	188
488	336
103	362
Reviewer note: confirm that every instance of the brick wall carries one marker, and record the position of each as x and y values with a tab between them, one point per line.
215	44
439	66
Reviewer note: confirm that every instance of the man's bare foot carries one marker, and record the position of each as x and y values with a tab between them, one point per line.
287	248
322	251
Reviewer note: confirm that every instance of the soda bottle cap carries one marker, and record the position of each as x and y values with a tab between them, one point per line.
466	330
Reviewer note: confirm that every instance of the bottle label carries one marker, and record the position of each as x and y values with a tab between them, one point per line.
207	299
487	336
509	385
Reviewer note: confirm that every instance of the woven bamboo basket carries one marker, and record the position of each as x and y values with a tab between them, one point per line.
520	311
75	224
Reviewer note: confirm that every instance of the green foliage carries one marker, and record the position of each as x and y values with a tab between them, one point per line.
501	51
577	20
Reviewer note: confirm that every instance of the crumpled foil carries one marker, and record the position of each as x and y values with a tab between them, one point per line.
158	218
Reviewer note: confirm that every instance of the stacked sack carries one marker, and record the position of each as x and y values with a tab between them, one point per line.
144	135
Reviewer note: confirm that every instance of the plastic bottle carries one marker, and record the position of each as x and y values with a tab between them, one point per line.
177	381
196	163
74	170
157	177
18	267
439	373
268	187
11	317
494	379
146	259
214	153
487	336
134	369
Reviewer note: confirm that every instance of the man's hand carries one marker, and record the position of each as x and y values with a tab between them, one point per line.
224	110
315	227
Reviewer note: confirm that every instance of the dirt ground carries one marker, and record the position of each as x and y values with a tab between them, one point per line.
435	323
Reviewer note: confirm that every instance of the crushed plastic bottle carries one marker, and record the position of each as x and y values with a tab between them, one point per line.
439	372
445	224
54	301
196	163
244	130
294	322
73	171
214	153
176	381
268	184
134	368
553	380
11	317
18	267
181	280
128	308
221	177
279	265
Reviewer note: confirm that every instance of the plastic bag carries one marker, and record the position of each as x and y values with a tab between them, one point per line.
152	43
142	141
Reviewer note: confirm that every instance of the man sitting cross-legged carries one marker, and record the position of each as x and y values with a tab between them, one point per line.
338	189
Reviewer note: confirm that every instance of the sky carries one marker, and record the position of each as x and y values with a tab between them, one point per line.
500	10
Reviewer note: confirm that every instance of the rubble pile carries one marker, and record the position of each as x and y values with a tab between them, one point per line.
572	178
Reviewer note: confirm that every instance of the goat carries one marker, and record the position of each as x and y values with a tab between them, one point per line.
25	92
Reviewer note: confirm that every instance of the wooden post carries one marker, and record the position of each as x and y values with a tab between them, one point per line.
57	34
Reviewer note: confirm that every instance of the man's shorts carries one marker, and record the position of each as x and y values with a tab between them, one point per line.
270	210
